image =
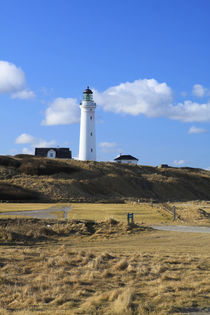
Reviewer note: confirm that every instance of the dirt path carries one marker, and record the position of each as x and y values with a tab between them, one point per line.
49	213
180	228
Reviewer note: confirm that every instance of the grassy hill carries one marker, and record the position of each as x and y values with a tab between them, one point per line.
25	177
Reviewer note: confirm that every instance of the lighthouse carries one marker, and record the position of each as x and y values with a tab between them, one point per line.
87	145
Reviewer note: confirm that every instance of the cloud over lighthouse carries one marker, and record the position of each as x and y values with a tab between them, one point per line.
87	145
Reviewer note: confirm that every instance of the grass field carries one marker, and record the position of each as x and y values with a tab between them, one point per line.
102	272
145	273
190	213
143	212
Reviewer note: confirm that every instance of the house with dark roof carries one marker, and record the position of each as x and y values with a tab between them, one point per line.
129	159
53	153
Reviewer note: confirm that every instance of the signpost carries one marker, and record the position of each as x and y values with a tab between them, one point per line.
130	218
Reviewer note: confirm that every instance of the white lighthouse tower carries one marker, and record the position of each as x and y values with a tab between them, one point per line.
87	145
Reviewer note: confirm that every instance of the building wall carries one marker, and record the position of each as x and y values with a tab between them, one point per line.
60	153
128	161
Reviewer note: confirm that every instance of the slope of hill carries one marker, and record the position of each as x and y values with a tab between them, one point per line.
26	177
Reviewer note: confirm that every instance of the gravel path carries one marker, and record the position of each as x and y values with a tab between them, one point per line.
180	228
40	214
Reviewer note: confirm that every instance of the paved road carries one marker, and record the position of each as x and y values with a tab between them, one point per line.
40	214
181	228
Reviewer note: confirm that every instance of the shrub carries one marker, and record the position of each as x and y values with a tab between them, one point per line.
44	166
8	161
25	156
13	192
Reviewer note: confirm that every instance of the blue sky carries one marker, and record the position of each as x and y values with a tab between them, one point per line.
146	60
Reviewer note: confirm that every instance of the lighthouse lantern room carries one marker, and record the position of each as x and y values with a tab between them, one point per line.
87	145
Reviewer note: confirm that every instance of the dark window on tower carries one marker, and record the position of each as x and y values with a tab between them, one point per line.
91	133
91	150
91	117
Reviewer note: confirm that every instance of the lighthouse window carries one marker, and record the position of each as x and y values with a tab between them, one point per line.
91	150
91	117
91	133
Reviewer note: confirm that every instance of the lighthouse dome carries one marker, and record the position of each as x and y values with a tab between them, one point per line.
87	91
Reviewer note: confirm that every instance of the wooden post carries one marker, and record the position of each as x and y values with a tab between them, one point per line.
174	213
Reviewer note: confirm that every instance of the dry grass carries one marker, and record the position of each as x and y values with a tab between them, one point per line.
79	267
143	212
193	212
62	280
36	179
188	213
19	231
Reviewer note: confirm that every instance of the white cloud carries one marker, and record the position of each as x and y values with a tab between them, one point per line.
198	90
179	162
62	111
146	97
12	78
25	138
152	99
190	111
24	94
194	129
34	142
107	146
142	97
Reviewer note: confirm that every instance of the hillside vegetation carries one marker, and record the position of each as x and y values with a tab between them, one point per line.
26	177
